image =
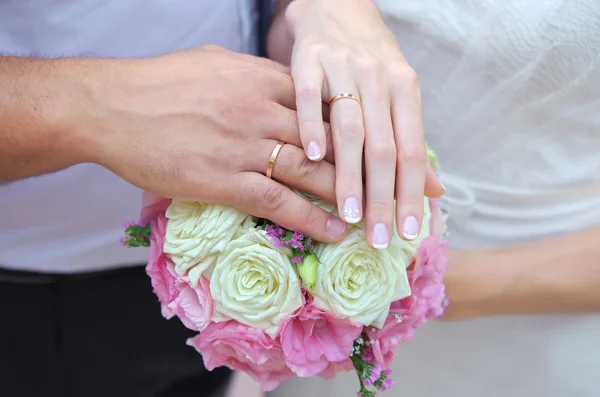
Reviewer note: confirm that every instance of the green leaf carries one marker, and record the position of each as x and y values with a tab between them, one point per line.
432	158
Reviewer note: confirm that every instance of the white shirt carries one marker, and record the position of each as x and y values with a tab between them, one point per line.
511	96
71	221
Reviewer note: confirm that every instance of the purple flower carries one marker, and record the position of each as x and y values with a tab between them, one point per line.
298	259
387	383
129	223
122	240
277	242
368	355
297	241
375	375
275	232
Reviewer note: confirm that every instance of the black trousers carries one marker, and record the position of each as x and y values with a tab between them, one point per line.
95	335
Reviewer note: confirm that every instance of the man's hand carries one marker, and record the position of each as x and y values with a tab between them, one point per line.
198	124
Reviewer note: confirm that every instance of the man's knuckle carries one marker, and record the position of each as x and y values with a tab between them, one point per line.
272	198
306	169
307	215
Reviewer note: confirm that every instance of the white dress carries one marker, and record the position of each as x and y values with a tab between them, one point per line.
511	93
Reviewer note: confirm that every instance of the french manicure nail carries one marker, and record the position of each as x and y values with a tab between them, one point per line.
351	210
313	151
410	230
335	227
380	236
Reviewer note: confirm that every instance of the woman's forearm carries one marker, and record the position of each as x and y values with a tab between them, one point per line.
557	275
280	40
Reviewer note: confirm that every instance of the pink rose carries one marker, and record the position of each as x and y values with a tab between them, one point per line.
334	368
425	302
242	348
152	207
437	221
193	305
427	278
314	338
160	268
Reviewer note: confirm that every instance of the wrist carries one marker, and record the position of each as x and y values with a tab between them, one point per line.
40	110
73	84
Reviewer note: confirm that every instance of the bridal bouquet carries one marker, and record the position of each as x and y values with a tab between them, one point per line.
276	304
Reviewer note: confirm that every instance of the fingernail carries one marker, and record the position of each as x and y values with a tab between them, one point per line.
313	151
351	210
443	188
410	230
380	237
335	227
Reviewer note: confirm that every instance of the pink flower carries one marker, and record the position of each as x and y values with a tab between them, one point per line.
334	368
244	349
426	279
426	301
313	338
375	375
193	305
153	206
160	268
386	384
437	222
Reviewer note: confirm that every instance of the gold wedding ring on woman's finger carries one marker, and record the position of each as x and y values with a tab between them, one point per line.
273	157
344	95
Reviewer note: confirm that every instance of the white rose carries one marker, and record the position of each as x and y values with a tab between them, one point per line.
197	233
255	283
358	282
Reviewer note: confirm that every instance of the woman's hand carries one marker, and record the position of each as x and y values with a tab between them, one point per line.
343	46
202	124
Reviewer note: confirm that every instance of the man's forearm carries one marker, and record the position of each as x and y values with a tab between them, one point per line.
40	102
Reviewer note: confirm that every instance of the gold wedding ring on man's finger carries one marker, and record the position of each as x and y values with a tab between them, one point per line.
273	157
